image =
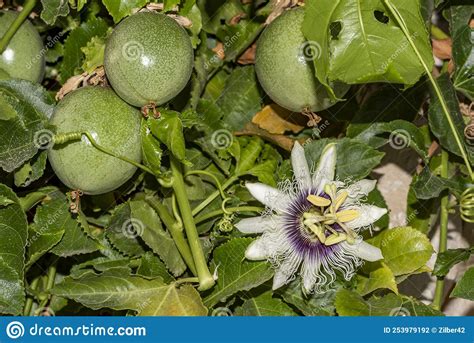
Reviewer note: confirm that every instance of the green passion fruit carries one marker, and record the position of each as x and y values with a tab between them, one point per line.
285	69
23	58
148	59
112	123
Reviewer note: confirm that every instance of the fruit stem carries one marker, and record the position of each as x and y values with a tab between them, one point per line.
435	85
206	281
214	195
443	235
204	217
25	12
176	232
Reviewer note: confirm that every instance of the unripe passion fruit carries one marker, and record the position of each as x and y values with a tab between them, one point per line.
113	123
286	71
24	57
148	59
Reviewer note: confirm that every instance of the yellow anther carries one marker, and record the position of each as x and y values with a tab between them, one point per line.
334	239
318	231
340	200
318	201
347	215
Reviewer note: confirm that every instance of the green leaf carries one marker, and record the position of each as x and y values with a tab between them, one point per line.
52	9
464	287
370	46
119	9
377	276
152	267
235	272
264	305
427	185
101	264
93	54
169	130
78	39
403	134
112	289
14	233
7	111
75	242
355	160
439	125
349	303
52	218
308	304
109	289
240	99
148	226
404	249
320	16
21	135
121	232
421	214
151	150
446	260
31	171
463	48
175	301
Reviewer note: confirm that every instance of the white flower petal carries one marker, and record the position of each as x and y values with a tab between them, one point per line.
326	168
359	190
268	196
286	270
364	251
256	224
300	166
257	250
368	215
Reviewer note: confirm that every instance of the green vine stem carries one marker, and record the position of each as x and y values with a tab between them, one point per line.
216	213
25	12
29	299
214	195
175	230
50	280
206	280
443	235
435	85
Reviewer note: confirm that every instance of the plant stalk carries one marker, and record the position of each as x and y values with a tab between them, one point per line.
206	280
443	235
175	231
25	12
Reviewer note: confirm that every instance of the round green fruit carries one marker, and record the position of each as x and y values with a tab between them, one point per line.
285	68
23	58
148	59
113	123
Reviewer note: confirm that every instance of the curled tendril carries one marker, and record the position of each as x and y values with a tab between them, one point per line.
67	137
225	224
467	205
469	130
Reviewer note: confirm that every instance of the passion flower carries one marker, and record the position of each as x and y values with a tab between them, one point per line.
312	225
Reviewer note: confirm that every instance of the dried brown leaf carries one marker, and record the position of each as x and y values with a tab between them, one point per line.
276	120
